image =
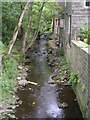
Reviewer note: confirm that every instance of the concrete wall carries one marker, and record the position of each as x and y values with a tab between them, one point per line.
79	56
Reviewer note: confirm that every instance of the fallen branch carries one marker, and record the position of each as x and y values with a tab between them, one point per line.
33	83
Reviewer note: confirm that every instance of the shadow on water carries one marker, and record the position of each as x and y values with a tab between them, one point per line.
41	101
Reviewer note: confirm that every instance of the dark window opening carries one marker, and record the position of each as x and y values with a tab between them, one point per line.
87	2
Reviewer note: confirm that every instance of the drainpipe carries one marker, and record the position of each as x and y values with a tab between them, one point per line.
69	15
70	30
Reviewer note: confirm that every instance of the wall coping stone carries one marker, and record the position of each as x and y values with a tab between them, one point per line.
82	45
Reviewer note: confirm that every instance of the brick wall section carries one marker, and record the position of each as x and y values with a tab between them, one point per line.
79	62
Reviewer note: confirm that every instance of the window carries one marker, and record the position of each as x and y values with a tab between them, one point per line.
87	3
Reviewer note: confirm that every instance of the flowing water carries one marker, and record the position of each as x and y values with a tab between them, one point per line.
41	101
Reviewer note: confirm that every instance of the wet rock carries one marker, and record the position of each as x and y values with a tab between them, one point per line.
33	103
14	96
4	105
53	77
51	64
53	111
23	82
59	90
11	107
65	72
50	51
75	100
59	70
27	61
26	69
30	88
20	67
23	89
67	84
44	52
5	111
17	105
62	77
19	78
24	77
62	81
51	82
11	116
58	81
56	70
20	87
25	74
19	102
63	105
47	58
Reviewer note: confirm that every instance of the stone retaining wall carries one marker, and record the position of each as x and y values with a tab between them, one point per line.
79	56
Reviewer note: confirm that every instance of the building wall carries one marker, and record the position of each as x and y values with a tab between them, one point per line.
78	56
80	16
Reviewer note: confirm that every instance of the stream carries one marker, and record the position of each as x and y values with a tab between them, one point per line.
42	101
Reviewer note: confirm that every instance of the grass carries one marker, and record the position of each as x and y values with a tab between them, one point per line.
8	74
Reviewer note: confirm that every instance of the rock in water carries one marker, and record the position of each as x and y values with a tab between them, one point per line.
54	112
18	78
20	67
23	82
63	105
51	82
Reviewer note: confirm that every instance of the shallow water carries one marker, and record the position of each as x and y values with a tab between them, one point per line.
42	101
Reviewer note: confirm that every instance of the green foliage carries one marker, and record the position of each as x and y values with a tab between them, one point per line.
10	13
63	61
47	15
73	79
85	33
64	64
9	73
83	88
2	48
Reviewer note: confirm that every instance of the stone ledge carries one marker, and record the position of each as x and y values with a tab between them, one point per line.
82	45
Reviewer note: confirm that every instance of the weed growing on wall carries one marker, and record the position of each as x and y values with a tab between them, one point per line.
73	79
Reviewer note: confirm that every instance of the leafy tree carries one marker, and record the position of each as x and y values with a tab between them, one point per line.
40	15
18	26
10	13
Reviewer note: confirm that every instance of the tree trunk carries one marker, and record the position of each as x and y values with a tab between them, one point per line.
28	26
36	32
18	27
